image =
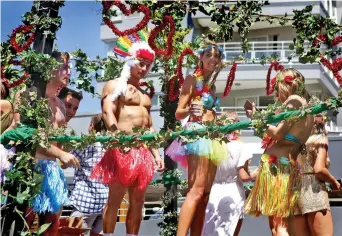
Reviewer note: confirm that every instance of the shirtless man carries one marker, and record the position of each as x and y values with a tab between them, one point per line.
125	106
48	203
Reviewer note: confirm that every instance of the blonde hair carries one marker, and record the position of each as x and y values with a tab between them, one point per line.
297	86
234	118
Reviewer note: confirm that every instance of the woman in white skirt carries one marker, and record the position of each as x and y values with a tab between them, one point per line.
224	213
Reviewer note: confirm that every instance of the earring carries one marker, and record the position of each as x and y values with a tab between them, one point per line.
201	65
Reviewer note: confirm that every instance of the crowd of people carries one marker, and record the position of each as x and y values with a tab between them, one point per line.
289	182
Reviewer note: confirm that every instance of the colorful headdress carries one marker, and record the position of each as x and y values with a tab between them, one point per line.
131	47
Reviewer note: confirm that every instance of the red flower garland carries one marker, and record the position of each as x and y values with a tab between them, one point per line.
336	40
167	53
25	29
335	67
140	8
230	80
277	67
15	83
173	94
321	39
150	87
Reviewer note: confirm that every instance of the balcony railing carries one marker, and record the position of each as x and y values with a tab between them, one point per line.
259	49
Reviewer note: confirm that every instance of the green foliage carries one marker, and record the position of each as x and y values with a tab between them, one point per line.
46	24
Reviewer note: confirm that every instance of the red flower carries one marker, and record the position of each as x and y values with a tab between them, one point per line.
266	141
206	89
277	67
149	86
272	159
289	79
277	111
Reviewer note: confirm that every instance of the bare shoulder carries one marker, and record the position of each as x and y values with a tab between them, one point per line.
295	101
189	82
109	87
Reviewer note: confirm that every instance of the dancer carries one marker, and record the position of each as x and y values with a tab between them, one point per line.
88	197
54	193
197	103
224	213
313	215
126	106
277	186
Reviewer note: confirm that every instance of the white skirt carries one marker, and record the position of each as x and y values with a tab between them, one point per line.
224	209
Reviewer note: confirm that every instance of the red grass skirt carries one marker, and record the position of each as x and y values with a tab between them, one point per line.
132	168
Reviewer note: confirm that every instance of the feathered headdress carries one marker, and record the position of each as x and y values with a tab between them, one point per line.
131	47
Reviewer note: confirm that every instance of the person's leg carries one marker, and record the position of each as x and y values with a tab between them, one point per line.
321	223
197	182
110	212
279	226
238	227
209	170
53	220
88	219
299	225
134	214
96	228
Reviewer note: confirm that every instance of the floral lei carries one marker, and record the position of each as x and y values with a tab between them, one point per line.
202	91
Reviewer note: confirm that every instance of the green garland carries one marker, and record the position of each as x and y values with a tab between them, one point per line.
24	133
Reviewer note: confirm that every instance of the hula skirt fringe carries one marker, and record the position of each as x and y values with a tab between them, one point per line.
132	168
54	190
276	189
212	149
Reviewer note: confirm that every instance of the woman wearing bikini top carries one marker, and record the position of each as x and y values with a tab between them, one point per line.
196	103
277	187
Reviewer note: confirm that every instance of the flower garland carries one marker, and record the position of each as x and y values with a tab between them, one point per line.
173	91
167	53
335	67
270	85
230	80
139	8
150	87
15	83
24	29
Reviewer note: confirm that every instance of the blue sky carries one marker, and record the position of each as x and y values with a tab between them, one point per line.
80	29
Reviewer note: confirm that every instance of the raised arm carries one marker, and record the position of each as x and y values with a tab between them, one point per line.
278	132
185	97
109	107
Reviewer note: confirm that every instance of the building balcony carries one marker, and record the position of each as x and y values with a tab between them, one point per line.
277	8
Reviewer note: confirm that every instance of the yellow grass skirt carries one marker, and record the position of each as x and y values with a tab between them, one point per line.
276	189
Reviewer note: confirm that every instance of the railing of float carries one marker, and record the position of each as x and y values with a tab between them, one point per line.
24	133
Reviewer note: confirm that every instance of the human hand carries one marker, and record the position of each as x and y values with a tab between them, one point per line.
69	160
160	164
250	112
335	185
196	108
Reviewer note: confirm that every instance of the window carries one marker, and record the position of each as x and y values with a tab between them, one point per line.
240	102
155	99
264	101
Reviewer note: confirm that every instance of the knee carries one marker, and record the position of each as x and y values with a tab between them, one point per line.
196	193
137	203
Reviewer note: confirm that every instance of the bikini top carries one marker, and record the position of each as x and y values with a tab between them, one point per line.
209	103
292	138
